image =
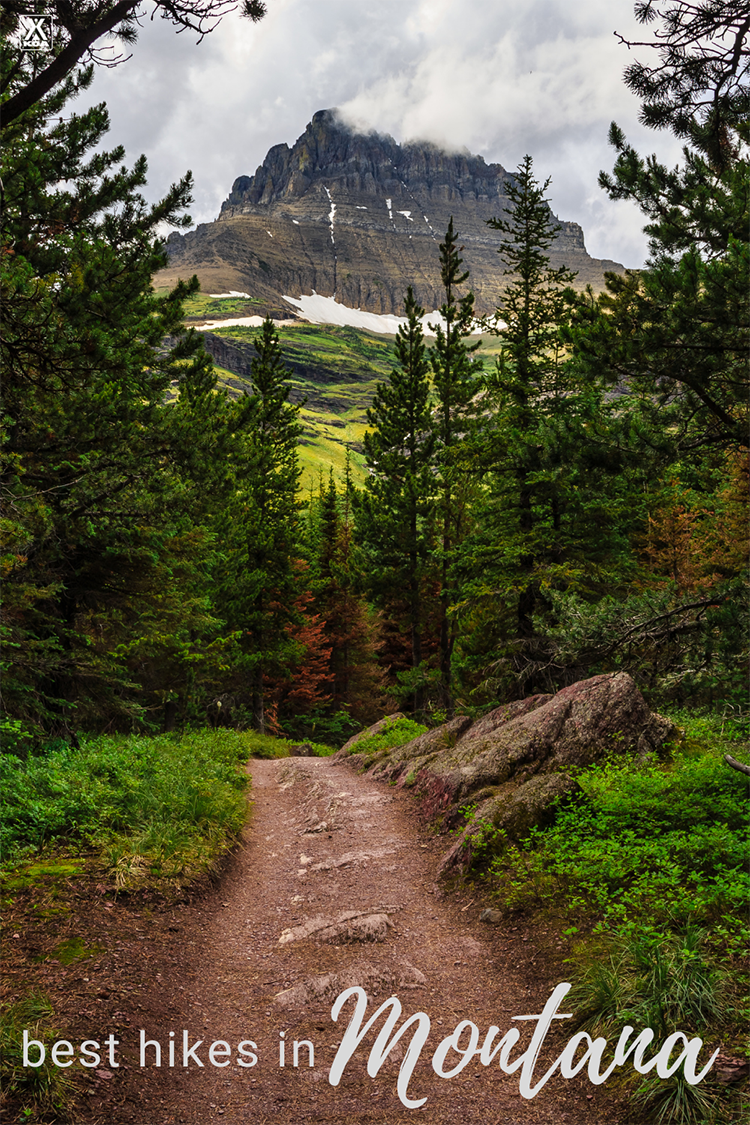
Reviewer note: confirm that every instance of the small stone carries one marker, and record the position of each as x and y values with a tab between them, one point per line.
493	917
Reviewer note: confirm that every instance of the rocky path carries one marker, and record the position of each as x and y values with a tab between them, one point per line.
335	888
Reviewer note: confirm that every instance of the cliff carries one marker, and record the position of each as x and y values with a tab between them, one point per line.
359	217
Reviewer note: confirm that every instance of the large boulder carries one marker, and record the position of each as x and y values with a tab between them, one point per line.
513	763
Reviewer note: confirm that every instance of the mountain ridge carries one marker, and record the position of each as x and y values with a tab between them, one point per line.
359	217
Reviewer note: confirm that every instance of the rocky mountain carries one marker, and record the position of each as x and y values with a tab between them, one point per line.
359	217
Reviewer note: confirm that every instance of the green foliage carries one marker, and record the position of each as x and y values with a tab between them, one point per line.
652	982
105	558
168	805
666	983
259	526
334	373
43	1089
395	732
458	378
553	492
647	848
395	510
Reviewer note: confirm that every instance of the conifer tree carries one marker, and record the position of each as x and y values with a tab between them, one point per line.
395	511
675	335
347	627
528	386
545	516
99	474
678	331
261	526
457	380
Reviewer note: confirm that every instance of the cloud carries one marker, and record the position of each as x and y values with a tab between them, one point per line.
499	78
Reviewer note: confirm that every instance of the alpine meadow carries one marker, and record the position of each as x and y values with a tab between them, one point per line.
262	540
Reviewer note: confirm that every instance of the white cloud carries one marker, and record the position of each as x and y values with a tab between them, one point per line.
497	77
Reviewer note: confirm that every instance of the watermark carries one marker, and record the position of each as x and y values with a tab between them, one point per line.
453	1053
35	33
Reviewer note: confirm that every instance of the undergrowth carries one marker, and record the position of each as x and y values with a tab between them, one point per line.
164	806
648	872
394	732
647	847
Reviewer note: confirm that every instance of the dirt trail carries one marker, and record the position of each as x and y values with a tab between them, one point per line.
325	841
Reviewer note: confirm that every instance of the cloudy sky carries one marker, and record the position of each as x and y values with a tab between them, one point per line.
499	77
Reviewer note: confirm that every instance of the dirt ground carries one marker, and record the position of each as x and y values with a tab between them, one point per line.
322	842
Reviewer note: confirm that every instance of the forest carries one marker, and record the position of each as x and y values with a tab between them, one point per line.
576	505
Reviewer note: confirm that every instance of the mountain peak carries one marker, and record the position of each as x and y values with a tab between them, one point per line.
367	163
357	216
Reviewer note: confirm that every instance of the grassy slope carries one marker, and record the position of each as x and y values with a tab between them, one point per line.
347	364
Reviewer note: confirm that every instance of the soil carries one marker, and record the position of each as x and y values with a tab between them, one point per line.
323	841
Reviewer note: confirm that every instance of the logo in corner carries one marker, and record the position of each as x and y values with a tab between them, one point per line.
35	33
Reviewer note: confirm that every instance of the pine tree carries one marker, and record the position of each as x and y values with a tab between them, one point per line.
699	90
546	517
395	511
457	381
674	340
529	385
99	474
347	625
260	527
678	331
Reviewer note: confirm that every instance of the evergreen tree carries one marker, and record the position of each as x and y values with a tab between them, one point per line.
529	384
347	628
99	474
395	511
260	527
674	339
699	90
678	332
546	514
457	382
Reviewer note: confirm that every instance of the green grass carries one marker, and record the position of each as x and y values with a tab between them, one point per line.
166	806
395	732
44	1090
206	307
269	746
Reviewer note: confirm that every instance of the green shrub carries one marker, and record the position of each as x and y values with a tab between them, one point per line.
395	732
168	805
646	847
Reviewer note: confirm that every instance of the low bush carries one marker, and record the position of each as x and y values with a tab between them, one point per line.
395	732
647	846
648	870
167	805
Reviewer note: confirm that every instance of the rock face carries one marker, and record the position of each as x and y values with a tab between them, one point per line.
359	217
511	764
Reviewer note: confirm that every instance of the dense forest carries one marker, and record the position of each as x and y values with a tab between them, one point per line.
578	506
